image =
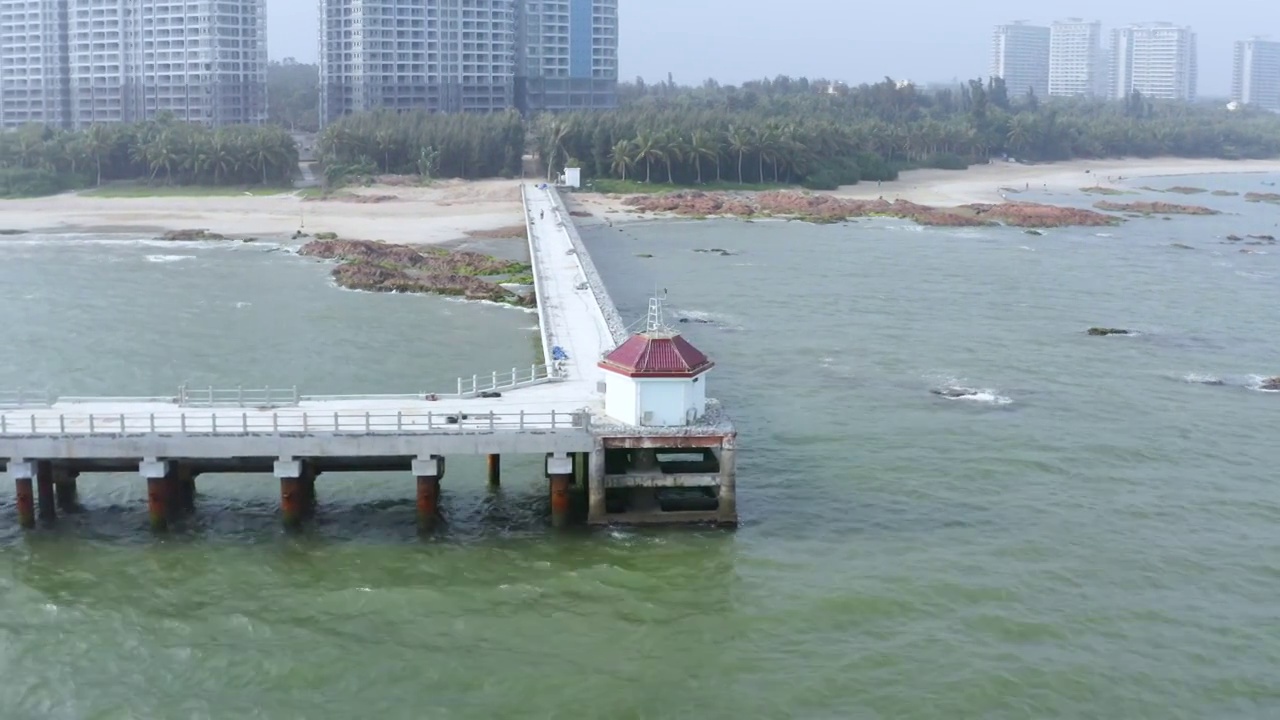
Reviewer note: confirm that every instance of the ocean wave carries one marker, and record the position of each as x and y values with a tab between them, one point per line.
951	388
1203	379
1256	382
702	317
169	258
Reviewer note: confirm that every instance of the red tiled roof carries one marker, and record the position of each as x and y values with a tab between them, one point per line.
646	355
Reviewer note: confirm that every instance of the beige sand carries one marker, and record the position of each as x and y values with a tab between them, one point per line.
445	211
448	210
997	181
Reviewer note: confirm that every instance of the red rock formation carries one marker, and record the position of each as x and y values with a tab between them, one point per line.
1155	208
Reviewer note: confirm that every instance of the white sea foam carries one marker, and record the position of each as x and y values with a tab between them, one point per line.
1203	379
169	258
1255	383
1104	235
243	304
980	395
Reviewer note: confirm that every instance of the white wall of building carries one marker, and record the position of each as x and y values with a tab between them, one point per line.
1020	56
656	402
1158	59
1077	66
1256	76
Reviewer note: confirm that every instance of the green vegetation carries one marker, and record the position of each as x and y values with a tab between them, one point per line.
418	143
1101	190
294	90
635	187
37	160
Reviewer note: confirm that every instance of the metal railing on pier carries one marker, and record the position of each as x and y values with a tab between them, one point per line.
21	398
285	422
516	378
264	397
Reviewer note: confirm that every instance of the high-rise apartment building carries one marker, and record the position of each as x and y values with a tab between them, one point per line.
73	63
441	55
34	78
567	54
1256	77
1076	63
1156	59
1020	56
467	55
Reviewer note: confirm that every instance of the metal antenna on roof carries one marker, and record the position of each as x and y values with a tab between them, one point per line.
654	323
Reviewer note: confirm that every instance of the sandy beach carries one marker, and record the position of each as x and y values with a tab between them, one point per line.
444	212
453	209
991	183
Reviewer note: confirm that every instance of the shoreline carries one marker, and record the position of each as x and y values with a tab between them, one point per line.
461	212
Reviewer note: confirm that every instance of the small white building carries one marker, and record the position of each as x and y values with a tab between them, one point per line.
656	379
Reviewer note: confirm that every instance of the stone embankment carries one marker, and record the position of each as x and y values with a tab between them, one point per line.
386	267
829	209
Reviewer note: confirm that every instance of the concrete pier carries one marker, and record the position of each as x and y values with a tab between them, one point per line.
45	500
428	471
654	469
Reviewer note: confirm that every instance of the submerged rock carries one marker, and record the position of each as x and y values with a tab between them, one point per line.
954	392
1271	384
1033	232
1155	208
191	235
1181	246
1104	331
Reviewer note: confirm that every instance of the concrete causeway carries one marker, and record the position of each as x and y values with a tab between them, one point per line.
556	408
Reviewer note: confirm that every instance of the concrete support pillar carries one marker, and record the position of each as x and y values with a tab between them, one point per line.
495	470
157	473
309	500
185	487
644	459
64	489
428	471
23	474
560	470
44	491
597	512
292	492
728	493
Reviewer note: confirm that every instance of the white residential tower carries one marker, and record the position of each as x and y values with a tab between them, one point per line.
1020	56
1156	59
1256	80
1076	62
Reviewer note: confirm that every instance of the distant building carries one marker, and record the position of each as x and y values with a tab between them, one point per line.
1256	77
566	54
467	55
1156	59
1076	63
73	63
1020	56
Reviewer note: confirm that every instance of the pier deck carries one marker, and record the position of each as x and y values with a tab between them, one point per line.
556	408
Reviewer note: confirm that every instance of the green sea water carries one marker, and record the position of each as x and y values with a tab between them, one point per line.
1094	533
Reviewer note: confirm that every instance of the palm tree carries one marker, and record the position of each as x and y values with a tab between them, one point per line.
703	145
675	152
739	141
99	141
621	157
648	149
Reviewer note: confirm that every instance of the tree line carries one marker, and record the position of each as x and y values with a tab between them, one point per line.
419	143
40	160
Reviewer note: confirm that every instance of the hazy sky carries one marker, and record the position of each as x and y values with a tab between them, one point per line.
852	40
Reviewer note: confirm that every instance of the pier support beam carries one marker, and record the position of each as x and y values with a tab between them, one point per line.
44	491
728	492
157	475
428	471
292	492
185	488
495	471
64	489
560	469
309	500
23	473
597	512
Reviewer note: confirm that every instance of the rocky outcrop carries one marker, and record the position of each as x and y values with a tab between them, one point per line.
191	235
1105	331
1263	197
1271	384
386	267
830	209
1155	208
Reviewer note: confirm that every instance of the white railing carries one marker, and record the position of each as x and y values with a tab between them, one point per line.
544	319
516	378
350	422
21	398
264	397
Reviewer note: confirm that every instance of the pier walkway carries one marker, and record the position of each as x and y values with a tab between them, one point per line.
554	408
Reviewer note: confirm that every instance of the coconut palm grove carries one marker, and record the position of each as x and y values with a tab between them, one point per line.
780	131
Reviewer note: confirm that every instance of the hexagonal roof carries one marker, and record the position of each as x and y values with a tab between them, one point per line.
657	355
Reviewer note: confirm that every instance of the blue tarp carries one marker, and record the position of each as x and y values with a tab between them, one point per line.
558	353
